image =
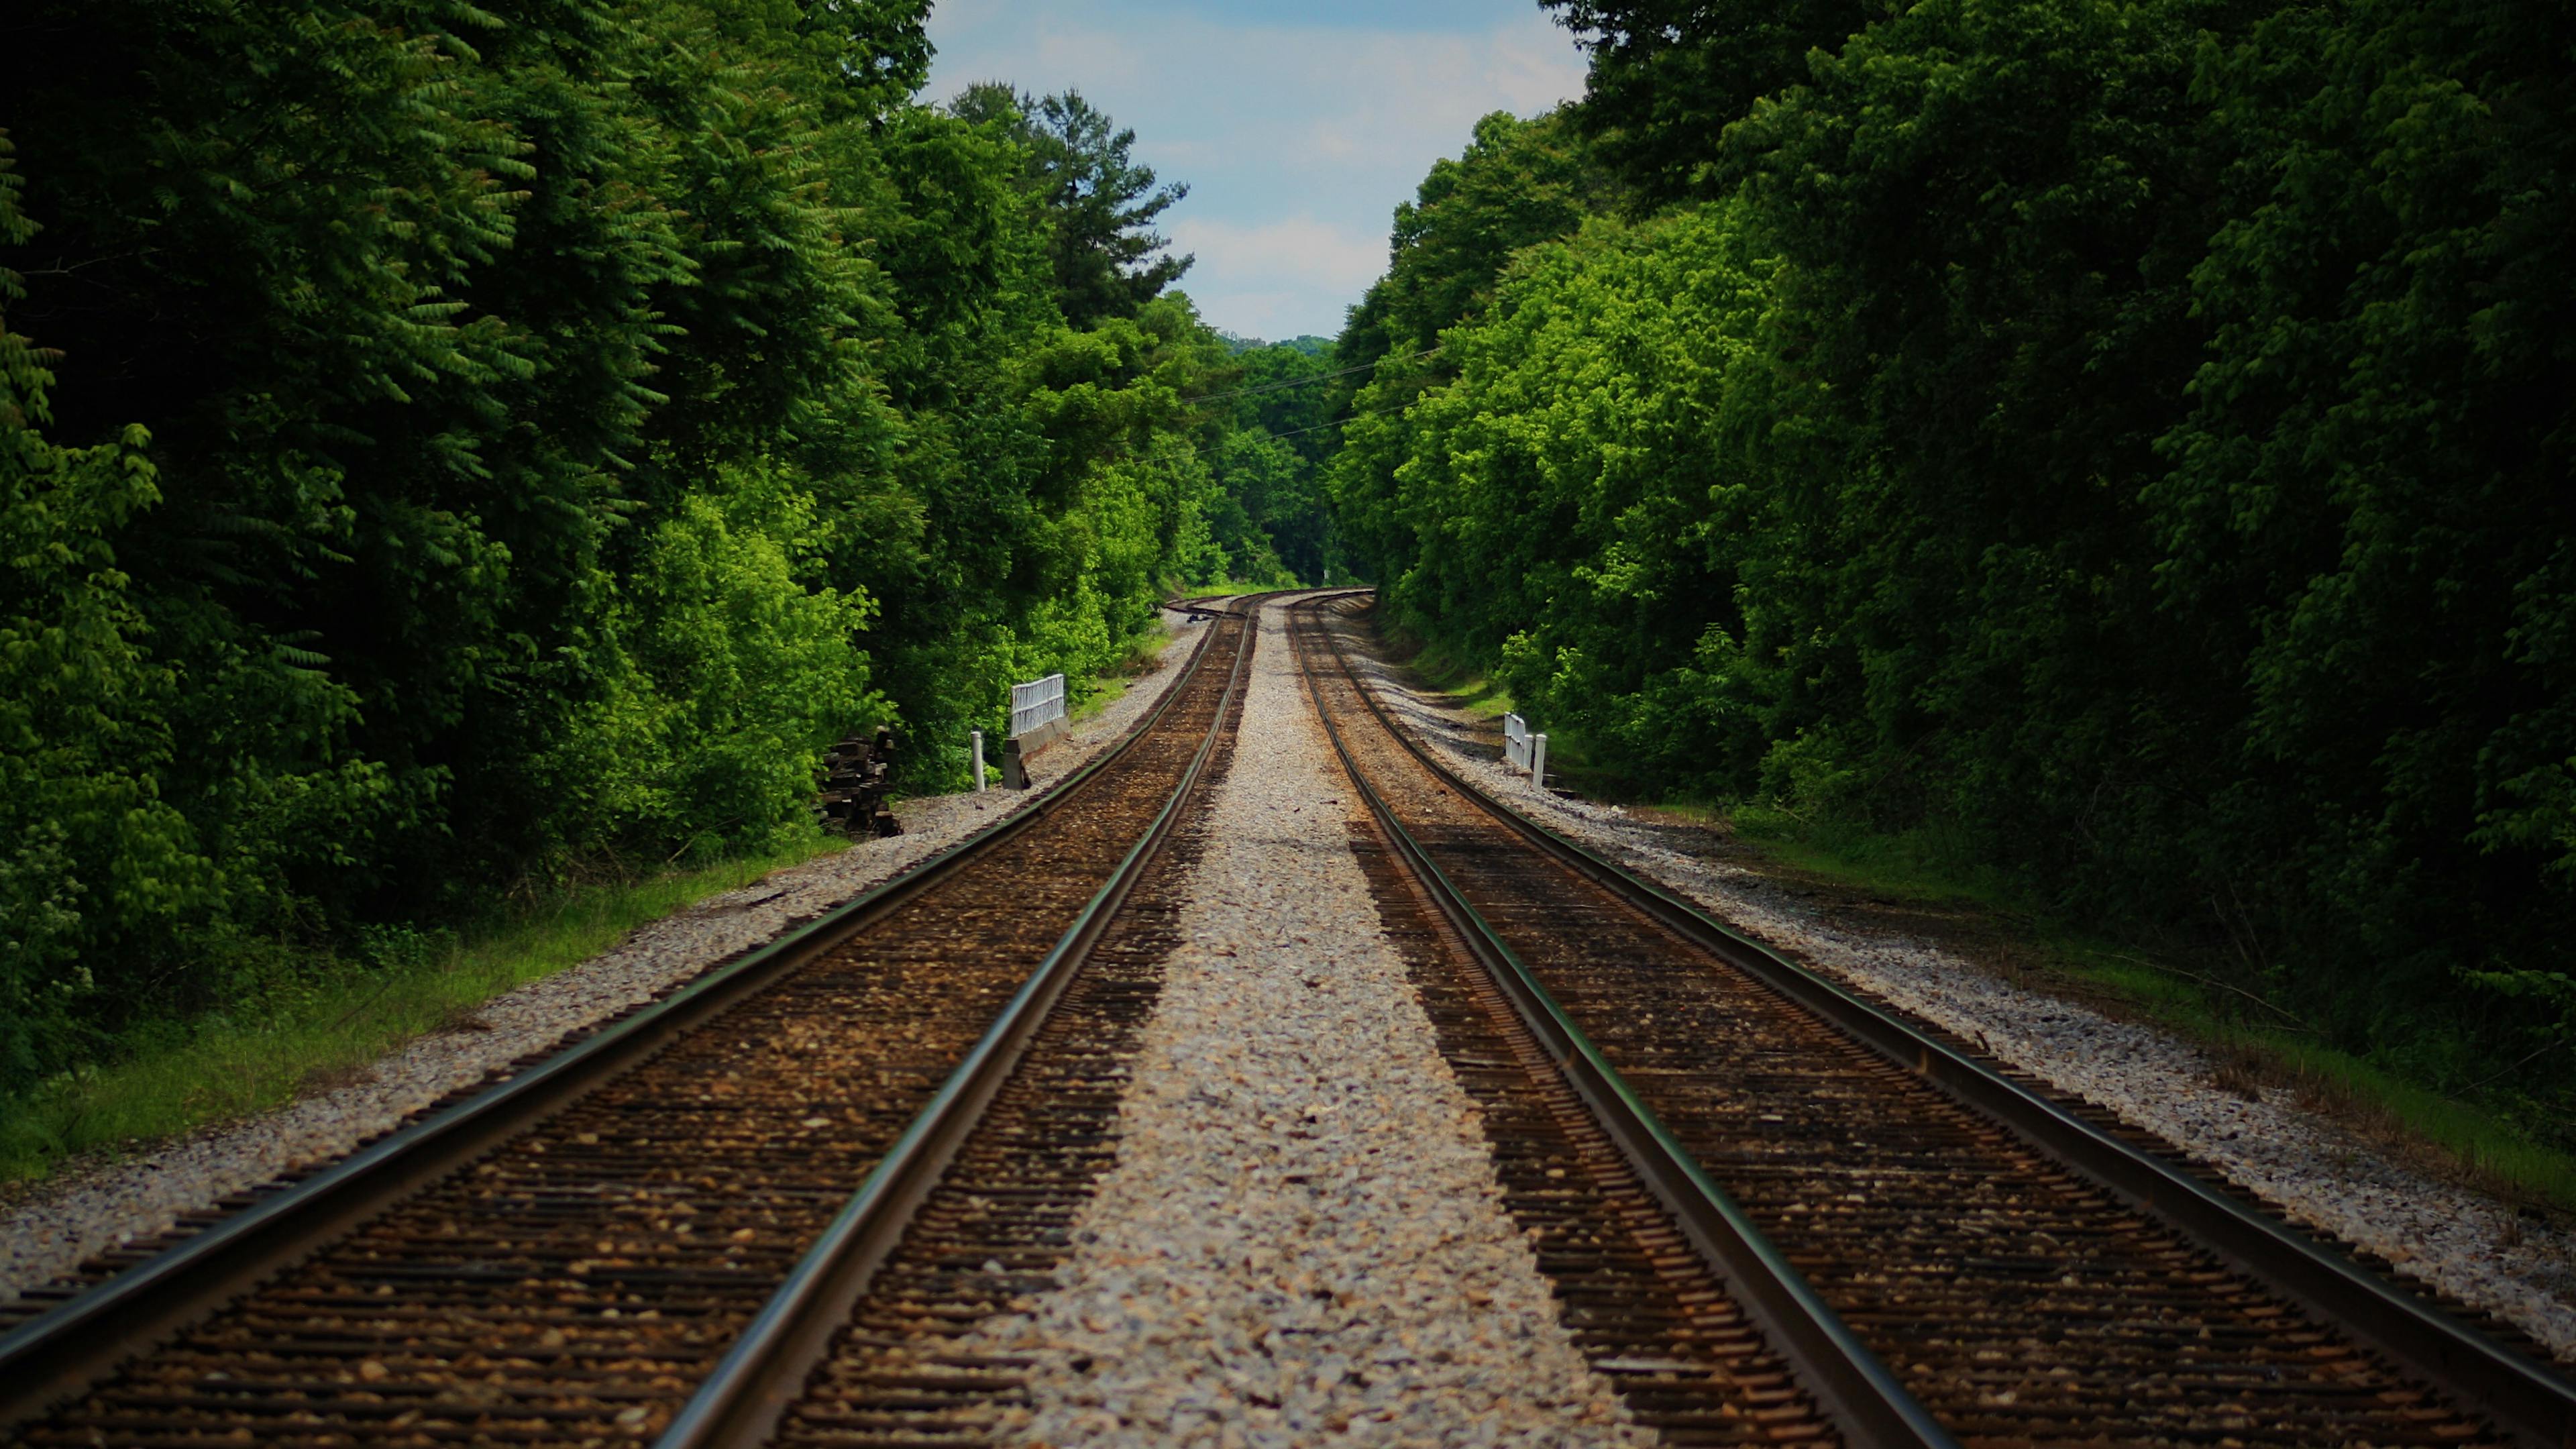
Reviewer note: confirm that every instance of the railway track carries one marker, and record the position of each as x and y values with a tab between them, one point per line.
1932	1250
621	1241
1640	1300
1770	1214
893	1374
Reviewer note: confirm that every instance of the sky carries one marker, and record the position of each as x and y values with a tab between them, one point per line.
1298	124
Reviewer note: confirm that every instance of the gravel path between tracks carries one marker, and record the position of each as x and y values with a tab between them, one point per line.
1301	1238
2463	1243
97	1205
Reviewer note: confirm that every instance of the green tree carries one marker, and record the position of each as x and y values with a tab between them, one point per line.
2369	527
484	443
1667	77
1581	516
96	854
1100	203
1518	183
1270	429
2125	442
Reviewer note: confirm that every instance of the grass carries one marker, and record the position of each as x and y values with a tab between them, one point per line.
1919	865
327	1034
1468	687
1230	589
1144	655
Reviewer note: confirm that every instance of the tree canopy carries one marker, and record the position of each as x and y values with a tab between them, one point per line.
2124	443
447	451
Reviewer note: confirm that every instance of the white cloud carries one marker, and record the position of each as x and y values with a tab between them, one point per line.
1277	279
1273	316
1299	249
1103	60
1297	140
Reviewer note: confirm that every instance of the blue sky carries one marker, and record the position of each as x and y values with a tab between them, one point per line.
1299	124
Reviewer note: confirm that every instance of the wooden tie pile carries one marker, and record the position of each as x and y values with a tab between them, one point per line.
853	797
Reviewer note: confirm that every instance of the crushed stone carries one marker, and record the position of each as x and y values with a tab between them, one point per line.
1302	1239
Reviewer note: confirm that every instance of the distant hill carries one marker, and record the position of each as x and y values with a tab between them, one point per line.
1311	346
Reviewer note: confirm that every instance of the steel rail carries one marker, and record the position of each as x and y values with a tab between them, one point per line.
1851	1384
2532	1401
739	1404
50	1358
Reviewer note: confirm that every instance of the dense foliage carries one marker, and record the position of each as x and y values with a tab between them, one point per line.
448	448
1272	429
2128	442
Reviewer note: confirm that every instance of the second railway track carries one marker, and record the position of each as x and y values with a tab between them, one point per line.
2023	1277
568	1257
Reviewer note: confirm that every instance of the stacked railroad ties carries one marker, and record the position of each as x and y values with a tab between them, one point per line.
853	796
1771	1213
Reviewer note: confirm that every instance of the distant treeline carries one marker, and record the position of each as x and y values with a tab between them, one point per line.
2128	443
448	448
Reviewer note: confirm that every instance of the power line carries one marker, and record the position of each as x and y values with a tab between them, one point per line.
1337	422
1304	381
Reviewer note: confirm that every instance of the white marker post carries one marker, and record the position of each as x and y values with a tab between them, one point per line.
1524	749
979	760
1037	721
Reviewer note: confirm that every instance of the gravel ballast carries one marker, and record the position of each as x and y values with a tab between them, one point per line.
2323	1173
1302	1239
98	1205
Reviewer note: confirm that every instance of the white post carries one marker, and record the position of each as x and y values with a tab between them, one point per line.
1538	761
979	761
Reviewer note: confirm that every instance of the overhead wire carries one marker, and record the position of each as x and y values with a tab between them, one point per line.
1337	422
